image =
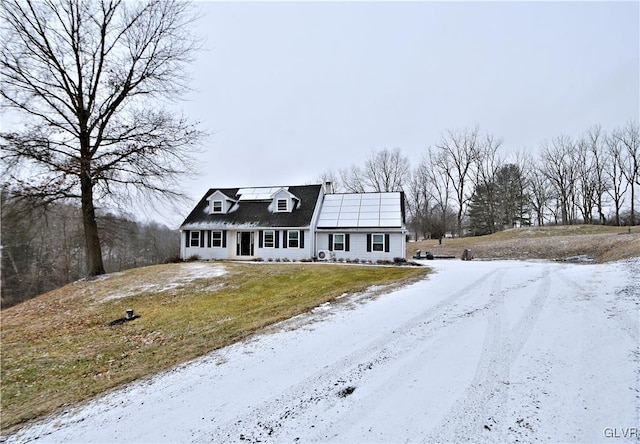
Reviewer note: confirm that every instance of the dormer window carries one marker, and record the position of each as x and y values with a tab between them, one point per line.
283	205
220	203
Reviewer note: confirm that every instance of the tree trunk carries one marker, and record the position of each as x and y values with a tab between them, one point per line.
564	212
632	220
90	225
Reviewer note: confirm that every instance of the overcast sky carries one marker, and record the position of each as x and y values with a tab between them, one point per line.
290	90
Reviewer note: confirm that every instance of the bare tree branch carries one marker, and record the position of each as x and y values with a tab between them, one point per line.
85	74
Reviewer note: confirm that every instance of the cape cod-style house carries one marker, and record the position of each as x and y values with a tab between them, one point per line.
294	223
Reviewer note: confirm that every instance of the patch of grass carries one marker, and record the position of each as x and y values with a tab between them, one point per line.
556	230
58	349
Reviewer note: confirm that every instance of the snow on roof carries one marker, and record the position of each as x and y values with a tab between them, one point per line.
260	193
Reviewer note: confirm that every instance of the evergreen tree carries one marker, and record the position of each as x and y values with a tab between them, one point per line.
501	203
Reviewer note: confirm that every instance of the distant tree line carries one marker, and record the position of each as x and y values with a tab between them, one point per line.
464	185
43	246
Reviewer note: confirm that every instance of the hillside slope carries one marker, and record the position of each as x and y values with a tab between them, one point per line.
602	244
71	344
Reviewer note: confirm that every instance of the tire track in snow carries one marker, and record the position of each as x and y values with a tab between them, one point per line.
478	413
319	392
628	324
520	332
408	366
624	322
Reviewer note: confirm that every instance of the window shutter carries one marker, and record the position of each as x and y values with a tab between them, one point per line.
369	242
386	243
260	238
285	239
187	235
224	239
301	239
330	242
202	238
277	236
346	242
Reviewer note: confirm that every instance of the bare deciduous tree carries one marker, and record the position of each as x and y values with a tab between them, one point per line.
387	170
595	139
441	186
460	152
419	198
88	77
540	195
618	185
351	179
629	138
487	166
525	163
384	170
559	165
586	180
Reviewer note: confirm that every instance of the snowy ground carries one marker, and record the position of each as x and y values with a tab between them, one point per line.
499	351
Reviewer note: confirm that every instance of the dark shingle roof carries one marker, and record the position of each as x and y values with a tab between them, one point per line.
255	213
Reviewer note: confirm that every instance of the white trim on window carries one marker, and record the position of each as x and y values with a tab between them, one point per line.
339	242
269	240
194	239
377	242
216	239
282	205
293	239
217	206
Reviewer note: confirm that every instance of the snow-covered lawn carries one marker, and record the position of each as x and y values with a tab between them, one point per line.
498	351
181	275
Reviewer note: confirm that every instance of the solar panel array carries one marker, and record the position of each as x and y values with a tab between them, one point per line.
264	193
364	210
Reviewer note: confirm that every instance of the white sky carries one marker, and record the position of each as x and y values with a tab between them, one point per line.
289	90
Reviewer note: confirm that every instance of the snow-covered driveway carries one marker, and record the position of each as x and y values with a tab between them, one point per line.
498	351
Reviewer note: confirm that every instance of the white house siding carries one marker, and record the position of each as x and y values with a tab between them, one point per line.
293	254
358	245
206	251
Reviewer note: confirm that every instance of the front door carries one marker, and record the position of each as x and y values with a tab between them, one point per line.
245	243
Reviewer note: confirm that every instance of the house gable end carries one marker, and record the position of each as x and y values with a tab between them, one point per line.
283	201
219	203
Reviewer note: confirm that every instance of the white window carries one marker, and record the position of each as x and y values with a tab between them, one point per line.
378	242
293	238
194	239
282	205
269	238
217	206
338	242
216	238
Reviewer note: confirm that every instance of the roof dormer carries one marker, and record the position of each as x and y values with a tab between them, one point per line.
219	203
283	201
